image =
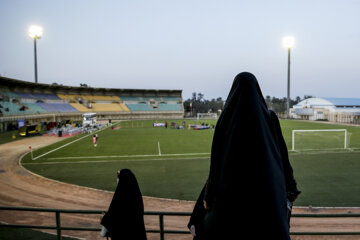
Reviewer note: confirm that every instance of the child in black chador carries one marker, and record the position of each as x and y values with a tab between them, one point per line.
125	218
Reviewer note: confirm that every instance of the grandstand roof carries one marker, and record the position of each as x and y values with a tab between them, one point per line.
16	85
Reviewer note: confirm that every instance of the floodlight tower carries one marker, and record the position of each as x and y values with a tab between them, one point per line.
35	32
288	43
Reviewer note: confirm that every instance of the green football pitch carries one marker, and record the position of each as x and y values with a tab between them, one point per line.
174	163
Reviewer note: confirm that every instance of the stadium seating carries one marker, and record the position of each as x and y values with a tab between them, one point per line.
76	97
159	107
149	103
41	102
169	107
124	107
140	107
108	107
7	95
80	107
35	108
27	102
130	98
84	103
38	96
103	98
158	99
171	99
67	97
57	107
9	108
46	96
100	107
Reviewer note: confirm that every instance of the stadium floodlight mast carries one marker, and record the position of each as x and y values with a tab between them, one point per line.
288	43
35	32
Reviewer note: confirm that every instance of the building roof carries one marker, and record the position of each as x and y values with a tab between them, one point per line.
329	102
344	101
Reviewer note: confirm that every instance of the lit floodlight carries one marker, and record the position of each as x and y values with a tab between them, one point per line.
35	32
288	42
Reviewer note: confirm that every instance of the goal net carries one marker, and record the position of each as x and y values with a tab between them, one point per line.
207	115
324	139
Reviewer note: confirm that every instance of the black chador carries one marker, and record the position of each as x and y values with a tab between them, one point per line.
245	193
292	191
125	218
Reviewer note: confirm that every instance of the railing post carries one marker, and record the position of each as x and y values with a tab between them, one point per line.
161	222
58	225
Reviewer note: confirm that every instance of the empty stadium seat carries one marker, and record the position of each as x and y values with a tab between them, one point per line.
106	107
35	108
140	107
8	95
57	107
76	97
169	107
9	108
80	107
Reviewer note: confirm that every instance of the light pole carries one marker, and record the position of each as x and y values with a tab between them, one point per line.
35	32
288	43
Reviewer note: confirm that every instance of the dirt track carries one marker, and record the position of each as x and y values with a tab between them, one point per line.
18	187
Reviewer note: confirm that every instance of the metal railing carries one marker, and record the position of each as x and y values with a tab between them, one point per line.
161	215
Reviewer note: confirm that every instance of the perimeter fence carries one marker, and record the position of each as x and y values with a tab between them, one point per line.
161	231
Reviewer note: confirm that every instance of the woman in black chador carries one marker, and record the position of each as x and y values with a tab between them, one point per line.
291	189
245	194
125	218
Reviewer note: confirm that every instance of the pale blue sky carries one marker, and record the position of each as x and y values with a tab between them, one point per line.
193	45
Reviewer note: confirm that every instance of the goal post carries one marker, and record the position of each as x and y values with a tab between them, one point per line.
319	131
206	115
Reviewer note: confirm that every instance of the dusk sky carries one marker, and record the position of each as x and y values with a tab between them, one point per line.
192	45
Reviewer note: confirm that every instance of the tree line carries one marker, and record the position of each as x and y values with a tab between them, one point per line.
198	104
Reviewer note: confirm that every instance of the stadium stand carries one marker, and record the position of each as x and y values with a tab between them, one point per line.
34	102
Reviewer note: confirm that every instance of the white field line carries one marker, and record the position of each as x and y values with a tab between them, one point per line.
159	149
66	144
117	160
315	152
125	156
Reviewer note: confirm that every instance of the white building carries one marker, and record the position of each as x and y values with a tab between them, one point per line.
344	110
